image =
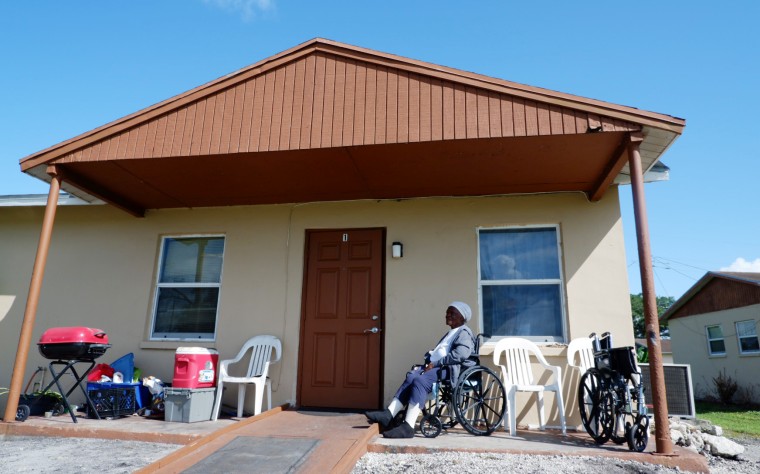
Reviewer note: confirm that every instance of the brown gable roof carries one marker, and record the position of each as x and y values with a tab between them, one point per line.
716	291
328	95
746	276
340	95
322	101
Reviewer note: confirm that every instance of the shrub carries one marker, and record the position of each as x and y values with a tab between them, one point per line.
725	386
747	396
642	355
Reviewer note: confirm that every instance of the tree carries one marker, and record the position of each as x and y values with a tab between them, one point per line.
637	312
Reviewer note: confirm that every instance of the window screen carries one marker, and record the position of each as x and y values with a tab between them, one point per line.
187	290
746	332
715	343
521	283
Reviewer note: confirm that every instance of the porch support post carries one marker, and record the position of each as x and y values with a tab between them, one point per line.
32	300
664	445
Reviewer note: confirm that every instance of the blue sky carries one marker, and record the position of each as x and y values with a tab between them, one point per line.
68	67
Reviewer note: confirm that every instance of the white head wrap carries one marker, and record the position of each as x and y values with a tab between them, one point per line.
464	310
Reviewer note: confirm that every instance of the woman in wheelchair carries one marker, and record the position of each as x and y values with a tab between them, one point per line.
444	360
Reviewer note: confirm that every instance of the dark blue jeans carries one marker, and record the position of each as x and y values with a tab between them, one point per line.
417	385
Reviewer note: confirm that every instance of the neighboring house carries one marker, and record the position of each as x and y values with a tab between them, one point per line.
665	348
714	328
267	201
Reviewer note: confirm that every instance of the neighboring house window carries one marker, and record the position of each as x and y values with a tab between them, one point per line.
715	343
187	287
746	331
521	282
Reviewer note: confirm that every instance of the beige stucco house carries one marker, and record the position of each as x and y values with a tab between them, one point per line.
267	202
714	328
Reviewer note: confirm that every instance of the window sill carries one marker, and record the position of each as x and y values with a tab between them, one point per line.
548	349
717	356
749	354
173	345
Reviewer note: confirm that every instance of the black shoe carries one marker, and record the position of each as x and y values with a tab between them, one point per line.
401	431
382	417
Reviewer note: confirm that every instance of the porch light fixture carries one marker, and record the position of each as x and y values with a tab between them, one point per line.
397	250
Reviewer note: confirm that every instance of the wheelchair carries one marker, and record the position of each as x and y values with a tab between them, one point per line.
477	401
611	397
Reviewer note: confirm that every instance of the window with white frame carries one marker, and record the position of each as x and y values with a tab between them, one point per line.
188	282
521	282
715	342
746	332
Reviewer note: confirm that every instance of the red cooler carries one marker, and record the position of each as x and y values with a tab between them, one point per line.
195	367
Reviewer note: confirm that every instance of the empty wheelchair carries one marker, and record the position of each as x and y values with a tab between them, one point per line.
477	401
611	397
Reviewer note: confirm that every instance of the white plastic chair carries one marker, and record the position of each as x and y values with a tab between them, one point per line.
261	348
580	349
517	376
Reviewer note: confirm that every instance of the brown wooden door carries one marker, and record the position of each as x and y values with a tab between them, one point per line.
341	361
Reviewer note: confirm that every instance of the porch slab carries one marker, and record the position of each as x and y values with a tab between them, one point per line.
135	428
290	440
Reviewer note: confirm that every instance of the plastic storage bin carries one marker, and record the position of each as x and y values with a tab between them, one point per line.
112	400
188	405
195	367
142	393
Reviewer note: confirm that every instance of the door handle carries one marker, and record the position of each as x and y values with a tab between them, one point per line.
373	330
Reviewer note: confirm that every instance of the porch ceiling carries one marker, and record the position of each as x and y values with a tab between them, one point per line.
457	168
327	121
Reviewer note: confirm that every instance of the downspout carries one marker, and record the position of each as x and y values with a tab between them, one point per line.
33	299
664	444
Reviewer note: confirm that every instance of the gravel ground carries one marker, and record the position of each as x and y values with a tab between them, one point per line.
83	455
748	463
41	454
497	462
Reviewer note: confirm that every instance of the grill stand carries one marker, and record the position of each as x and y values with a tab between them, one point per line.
69	366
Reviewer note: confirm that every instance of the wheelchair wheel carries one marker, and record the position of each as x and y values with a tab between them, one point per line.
627	411
638	436
430	426
607	415
631	411
595	408
480	400
622	421
442	408
22	412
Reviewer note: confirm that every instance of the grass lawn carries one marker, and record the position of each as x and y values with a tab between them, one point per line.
734	420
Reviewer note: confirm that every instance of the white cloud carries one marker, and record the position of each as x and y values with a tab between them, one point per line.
247	8
741	265
509	267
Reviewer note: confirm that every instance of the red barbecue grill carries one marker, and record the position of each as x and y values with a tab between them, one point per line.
67	347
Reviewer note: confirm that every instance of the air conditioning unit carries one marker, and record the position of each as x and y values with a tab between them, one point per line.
679	391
